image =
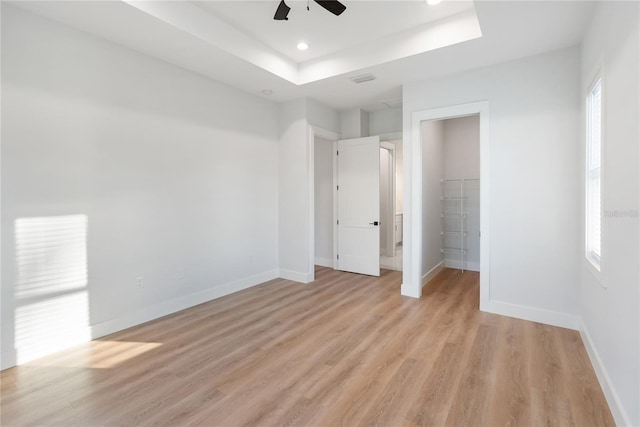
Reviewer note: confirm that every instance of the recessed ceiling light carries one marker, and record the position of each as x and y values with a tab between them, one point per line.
303	46
267	92
433	2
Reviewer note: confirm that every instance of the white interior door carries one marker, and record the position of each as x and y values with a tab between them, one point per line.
358	200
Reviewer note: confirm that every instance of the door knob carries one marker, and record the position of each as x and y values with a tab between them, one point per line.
373	223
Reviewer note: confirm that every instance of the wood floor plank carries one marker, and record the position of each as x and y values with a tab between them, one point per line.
345	350
435	398
469	406
549	379
382	362
383	411
511	398
587	400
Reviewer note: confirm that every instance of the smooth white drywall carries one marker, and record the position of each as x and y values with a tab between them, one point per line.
534	110
354	124
462	147
461	157
322	116
175	174
296	188
399	176
609	302
386	121
432	165
323	194
350	124
364	123
295	193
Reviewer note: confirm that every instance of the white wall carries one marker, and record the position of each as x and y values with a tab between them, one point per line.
534	142
432	165
296	184
364	123
322	116
462	147
174	175
385	121
399	176
610	303
350	124
323	194
462	161
295	193
354	123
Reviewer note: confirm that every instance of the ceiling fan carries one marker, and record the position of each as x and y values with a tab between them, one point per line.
333	6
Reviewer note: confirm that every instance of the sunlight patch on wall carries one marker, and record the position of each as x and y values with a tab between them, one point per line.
52	300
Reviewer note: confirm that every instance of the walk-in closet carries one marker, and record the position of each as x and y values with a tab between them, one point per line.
451	195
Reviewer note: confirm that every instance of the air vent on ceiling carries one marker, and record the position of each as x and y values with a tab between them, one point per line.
363	78
393	102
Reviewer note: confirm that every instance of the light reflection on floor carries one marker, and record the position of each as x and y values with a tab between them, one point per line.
96	355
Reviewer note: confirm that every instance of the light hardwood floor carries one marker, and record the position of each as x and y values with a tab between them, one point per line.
345	350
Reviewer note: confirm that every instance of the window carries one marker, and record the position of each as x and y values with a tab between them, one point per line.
594	174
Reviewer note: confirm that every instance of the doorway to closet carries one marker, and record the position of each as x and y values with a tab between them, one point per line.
416	172
450	195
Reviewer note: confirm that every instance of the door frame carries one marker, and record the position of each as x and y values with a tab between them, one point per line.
412	259
391	211
333	137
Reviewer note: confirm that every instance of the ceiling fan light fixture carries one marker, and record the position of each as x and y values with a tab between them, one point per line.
333	6
303	46
282	11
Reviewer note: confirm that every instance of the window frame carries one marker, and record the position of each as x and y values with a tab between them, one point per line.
594	257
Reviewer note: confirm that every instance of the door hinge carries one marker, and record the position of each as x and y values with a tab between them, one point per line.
338	256
337	222
337	187
337	153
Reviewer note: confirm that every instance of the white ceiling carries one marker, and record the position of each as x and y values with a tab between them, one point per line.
325	33
239	43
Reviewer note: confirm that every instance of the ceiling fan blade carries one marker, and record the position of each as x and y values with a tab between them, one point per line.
282	11
333	6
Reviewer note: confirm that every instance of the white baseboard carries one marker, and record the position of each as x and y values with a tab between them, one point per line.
548	317
165	308
295	276
457	264
620	416
324	262
432	273
159	310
